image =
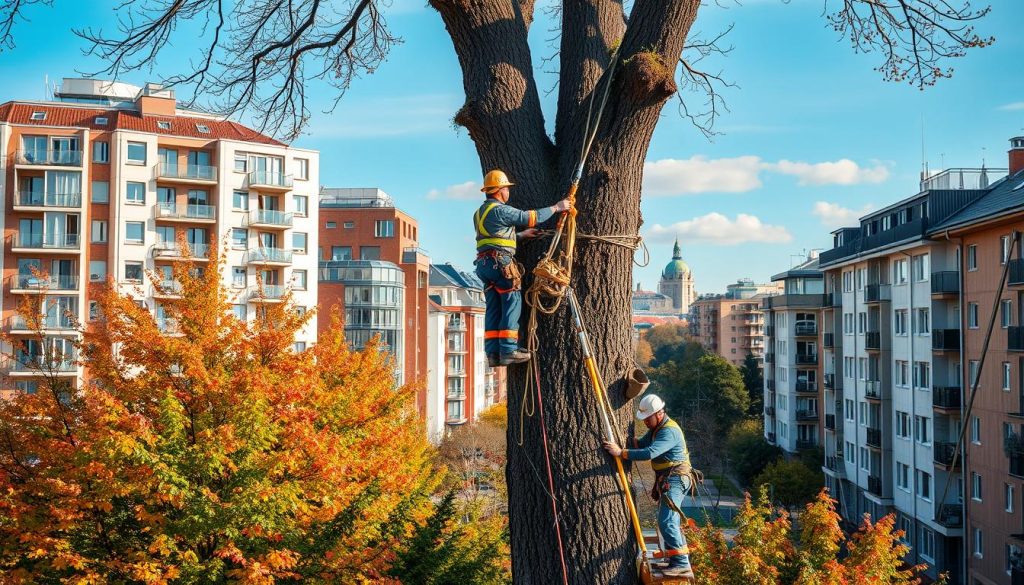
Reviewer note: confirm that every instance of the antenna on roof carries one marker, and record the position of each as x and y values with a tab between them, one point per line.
924	153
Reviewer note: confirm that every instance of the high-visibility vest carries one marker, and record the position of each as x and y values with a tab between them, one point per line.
666	460
485	237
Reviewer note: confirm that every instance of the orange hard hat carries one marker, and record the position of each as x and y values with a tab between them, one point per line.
496	179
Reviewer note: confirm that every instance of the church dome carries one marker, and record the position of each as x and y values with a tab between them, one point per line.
676	269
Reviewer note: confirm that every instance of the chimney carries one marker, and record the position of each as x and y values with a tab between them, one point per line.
1016	155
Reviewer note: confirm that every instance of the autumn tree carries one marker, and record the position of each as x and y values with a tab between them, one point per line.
262	58
474	455
204	448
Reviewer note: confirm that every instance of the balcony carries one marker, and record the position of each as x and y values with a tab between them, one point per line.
830	381
946	282
175	251
35	242
874	438
830	422
804	444
192	213
1016	276
828	340
769	358
270	180
877	293
276	256
806	330
769	331
873	341
168	326
873	389
804	386
950	515
945	340
835	463
1016	464
30	283
806	415
827	300
54	158
35	365
268	293
195	174
769	410
943	453
946	398
875	485
269	219
18	325
1015	338
806	359
415	256
30	200
167	289
770	384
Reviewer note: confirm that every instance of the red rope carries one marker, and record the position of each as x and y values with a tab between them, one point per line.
551	478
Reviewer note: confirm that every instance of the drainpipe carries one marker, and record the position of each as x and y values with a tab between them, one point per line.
913	399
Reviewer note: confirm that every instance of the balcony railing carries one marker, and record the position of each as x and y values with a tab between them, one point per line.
963	178
1015	338
185	211
835	463
945	282
943	453
807	415
875	485
66	158
176	250
189	172
267	292
46	241
950	515
39	199
945	339
828	340
1016	276
876	293
39	363
270	217
168	325
873	389
270	179
168	287
873	340
803	444
43	282
874	437
806	329
806	359
52	321
270	255
806	386
946	397
830	422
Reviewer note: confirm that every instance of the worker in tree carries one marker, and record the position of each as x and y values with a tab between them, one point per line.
495	224
665	447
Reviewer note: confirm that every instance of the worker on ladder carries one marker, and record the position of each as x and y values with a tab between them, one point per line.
665	447
495	223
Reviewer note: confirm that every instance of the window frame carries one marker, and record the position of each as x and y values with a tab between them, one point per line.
128	193
141	225
128	153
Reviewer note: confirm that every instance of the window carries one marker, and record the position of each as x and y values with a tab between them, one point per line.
302	206
1006	376
299	279
976	430
922	321
924	485
133	271
238	276
899	271
865	461
349	225
899	323
1006	313
862	413
302	169
299	242
1004	249
921	429
862	368
97	270
455	410
972	257
100	121
979	548
862	322
926	542
136	193
203	128
136	153
369	252
848	323
851	453
341	252
38	116
134	232
922	375
902	373
163	125
903	476
239	311
241	162
1008	497
239	238
100	192
101	152
902	425
976	486
920	267
862	278
300	346
385	228
849	410
332	225
848	281
99	231
240	200
972	372
972	315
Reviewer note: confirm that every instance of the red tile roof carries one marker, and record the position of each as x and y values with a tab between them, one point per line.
181	126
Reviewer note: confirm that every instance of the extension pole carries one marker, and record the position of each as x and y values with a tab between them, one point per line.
601	392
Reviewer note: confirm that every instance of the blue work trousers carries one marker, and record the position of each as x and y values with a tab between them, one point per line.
504	303
670	522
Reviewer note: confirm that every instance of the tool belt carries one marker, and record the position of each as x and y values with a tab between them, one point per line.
661	481
510	268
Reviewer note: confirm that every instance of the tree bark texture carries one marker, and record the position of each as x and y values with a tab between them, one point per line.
503	116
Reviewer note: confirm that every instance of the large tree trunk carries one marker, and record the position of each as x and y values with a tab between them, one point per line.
503	116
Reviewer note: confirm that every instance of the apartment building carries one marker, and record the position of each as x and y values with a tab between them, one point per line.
108	179
459	382
793	368
374	272
893	296
731	324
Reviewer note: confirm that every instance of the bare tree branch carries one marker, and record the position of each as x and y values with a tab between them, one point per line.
11	12
697	81
914	36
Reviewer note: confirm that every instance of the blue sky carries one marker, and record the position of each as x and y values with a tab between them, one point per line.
814	137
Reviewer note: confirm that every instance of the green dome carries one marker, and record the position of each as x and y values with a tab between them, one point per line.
676	269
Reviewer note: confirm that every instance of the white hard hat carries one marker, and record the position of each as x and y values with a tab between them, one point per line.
649	405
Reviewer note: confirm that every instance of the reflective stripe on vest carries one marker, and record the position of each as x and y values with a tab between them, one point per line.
486	240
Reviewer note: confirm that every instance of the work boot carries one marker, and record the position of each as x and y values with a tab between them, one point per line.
493	360
680	572
516	357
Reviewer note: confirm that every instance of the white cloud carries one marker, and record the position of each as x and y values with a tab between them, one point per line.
698	174
1012	107
833	215
463	191
716	228
840	172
